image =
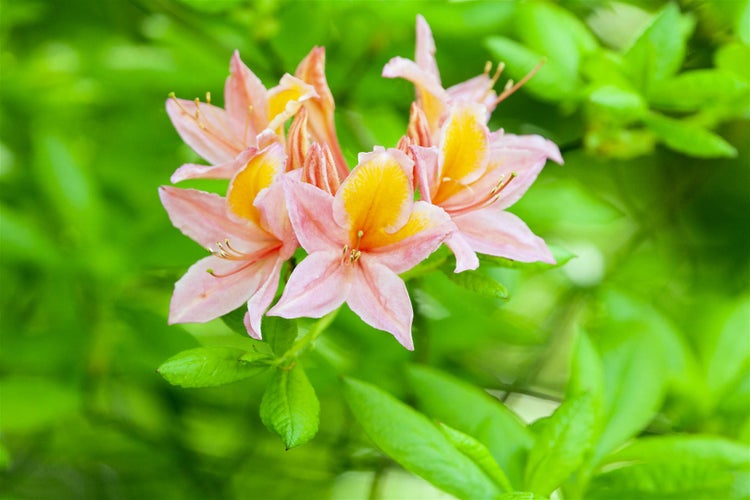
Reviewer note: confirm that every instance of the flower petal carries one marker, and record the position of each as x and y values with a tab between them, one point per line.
317	286
466	258
477	90
493	231
258	174
274	217
262	298
213	287
311	215
202	217
422	234
285	99
431	96
426	170
425	51
206	129
222	171
380	298
377	196
245	100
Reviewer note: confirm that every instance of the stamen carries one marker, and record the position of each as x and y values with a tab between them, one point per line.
509	88
344	254
502	183
208	97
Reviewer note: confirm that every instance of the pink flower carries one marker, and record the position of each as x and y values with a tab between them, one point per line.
249	236
474	176
358	241
253	118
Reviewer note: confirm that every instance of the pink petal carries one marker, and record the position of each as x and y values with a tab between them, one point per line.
202	217
425	51
245	100
271	202
262	298
200	296
426	170
398	67
493	231
478	90
434	226
311	215
317	286
379	297
221	171
466	258
207	131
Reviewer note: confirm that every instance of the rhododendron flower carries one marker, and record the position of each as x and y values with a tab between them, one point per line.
358	242
249	236
474	176
252	118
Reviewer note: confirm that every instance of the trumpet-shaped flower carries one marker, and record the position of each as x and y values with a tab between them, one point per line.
249	236
474	176
252	118
358	241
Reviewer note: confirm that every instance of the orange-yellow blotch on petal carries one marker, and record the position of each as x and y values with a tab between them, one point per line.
286	98
418	221
465	152
257	175
377	196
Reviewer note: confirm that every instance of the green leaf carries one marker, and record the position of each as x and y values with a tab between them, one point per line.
693	90
29	404
689	139
478	282
563	441
280	333
212	365
235	320
519	495
478	453
617	102
586	372
562	257
413	441
676	467
734	57
658	53
474	412
290	407
5	458
551	83
728	353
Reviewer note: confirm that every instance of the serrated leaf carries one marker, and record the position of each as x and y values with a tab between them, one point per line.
476	413
688	138
658	53
561	445
280	333
290	407
477	282
477	452
413	441
552	82
692	90
212	366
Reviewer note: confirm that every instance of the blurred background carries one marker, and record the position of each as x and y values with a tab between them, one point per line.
650	215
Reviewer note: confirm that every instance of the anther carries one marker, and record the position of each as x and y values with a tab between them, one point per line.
208	97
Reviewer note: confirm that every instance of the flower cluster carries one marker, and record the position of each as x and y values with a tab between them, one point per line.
290	187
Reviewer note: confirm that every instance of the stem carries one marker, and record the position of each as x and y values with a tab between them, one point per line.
304	342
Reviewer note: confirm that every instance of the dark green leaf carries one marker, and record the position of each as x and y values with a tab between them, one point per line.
474	412
478	453
290	407
212	365
551	83
478	282
235	320
561	445
413	441
658	53
280	333
689	139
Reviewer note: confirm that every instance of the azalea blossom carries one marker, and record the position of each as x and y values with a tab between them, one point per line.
358	241
474	176
249	236
253	117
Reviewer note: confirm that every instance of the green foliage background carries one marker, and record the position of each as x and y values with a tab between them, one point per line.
646	331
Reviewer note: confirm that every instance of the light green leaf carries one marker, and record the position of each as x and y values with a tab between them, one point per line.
729	352
478	453
552	82
658	53
618	102
413	441
474	412
563	441
30	404
676	467
693	90
290	407
280	333
689	139
734	57
478	282
212	365
586	372
562	257
519	495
